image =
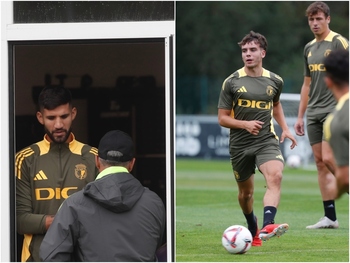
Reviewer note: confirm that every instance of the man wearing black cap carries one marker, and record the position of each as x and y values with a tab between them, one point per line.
113	218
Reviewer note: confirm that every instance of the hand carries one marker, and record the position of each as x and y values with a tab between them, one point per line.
287	134
299	127
253	127
48	221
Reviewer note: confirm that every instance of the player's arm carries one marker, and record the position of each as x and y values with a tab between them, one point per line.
278	115
226	120
58	243
304	97
27	222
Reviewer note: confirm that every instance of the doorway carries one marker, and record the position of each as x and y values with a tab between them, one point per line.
115	84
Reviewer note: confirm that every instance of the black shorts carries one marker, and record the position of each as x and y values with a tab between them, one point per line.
245	161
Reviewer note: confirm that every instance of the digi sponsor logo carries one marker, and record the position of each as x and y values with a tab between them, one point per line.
263	105
47	193
316	67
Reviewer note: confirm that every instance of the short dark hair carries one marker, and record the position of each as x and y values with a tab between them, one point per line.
256	38
337	66
113	163
318	6
53	96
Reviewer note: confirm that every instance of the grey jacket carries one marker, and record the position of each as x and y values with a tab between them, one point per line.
113	218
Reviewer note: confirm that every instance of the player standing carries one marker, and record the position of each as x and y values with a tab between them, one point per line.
317	101
47	172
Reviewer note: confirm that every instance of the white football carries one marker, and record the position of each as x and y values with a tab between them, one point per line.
294	161
237	239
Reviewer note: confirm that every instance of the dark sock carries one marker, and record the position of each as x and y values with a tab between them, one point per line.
251	222
329	209
269	215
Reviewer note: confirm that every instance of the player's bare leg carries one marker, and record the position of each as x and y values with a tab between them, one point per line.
246	202
325	181
245	194
325	177
272	171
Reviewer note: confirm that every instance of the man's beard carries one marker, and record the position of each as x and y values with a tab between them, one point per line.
61	139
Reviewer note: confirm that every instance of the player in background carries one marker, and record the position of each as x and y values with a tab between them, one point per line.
317	101
48	171
248	100
336	126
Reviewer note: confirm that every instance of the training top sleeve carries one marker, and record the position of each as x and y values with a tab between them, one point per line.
305	61
225	97
27	222
279	84
336	131
340	42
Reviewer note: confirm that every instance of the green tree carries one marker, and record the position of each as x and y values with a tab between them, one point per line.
207	33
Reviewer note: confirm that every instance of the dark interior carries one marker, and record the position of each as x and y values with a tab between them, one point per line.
114	84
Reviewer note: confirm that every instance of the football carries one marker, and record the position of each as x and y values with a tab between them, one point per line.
237	239
294	161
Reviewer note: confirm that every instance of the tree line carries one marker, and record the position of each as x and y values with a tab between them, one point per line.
207	33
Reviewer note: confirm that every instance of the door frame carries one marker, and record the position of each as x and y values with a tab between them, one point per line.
76	31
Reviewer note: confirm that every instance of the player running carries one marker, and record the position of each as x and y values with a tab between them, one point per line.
249	98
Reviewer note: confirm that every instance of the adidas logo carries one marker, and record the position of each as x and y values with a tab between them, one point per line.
330	206
268	212
40	176
243	89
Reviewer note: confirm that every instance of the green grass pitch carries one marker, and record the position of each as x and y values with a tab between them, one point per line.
206	204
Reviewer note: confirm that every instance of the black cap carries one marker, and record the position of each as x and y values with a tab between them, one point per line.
116	146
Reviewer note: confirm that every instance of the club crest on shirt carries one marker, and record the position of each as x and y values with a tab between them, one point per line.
80	171
326	53
269	90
